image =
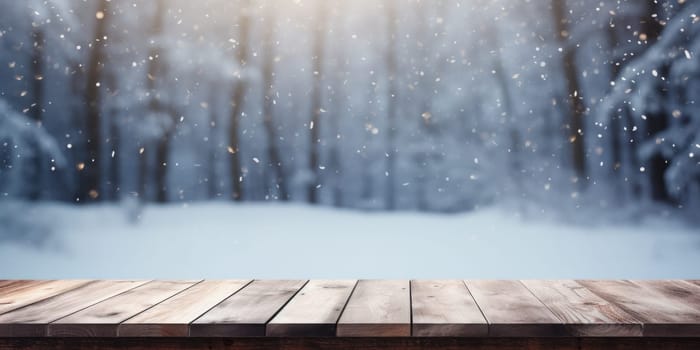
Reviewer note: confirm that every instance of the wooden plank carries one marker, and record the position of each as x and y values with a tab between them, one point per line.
246	312
103	318
13	287
661	316
584	313
22	293
4	283
683	291
445	308
314	311
643	343
513	311
377	308
334	343
172	317
32	320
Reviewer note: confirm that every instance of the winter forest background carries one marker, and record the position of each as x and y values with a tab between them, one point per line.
579	110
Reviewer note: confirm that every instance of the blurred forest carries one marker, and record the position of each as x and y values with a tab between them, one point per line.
438	105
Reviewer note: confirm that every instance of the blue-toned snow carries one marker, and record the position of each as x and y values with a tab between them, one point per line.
222	240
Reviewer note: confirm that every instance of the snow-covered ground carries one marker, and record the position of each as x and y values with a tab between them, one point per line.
220	240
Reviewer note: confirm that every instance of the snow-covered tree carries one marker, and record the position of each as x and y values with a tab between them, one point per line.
654	100
22	141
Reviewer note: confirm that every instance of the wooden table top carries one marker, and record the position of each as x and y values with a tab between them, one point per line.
350	308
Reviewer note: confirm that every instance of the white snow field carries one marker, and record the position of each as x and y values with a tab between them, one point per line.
220	240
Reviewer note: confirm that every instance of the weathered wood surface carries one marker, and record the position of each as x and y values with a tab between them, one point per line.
103	318
583	312
247	312
445	308
513	311
386	343
365	310
172	317
662	312
377	308
14	295
32	320
314	311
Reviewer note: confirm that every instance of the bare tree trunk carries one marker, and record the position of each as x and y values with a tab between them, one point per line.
316	104
143	173
90	173
156	108
156	72
509	111
278	175
238	100
115	141
578	109
115	155
617	138
391	66
37	110
335	163
429	70
77	88
161	173
212	150
656	122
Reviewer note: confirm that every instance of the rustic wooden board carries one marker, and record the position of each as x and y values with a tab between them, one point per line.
103	318
584	313
661	316
683	291
10	289
383	343
172	317
314	311
329	343
377	308
445	308
246	312
364	311
512	310
21	293
32	320
5	283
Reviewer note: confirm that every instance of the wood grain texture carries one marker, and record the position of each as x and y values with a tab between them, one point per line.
661	316
314	311
445	308
103	318
617	314
682	291
298	343
246	313
6	283
32	320
403	343
512	310
17	294
639	343
584	313
377	308
172	317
